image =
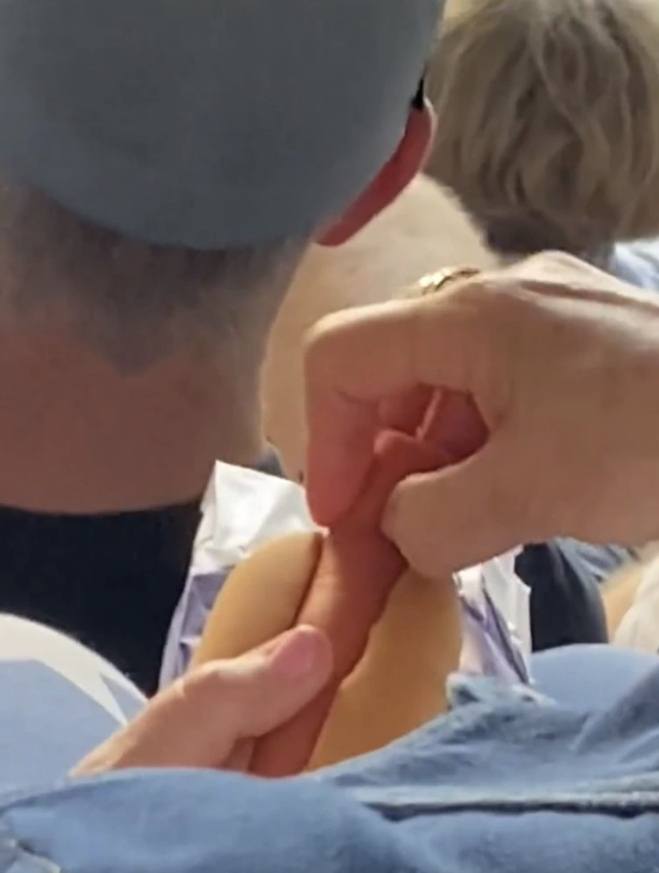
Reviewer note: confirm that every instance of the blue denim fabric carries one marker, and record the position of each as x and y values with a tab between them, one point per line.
507	783
47	724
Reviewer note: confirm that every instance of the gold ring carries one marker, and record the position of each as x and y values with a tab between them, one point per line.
434	282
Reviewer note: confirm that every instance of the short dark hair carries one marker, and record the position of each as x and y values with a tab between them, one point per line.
130	298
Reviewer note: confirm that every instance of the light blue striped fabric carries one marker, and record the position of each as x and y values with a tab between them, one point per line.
508	782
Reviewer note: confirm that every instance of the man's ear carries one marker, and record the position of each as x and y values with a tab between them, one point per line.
392	179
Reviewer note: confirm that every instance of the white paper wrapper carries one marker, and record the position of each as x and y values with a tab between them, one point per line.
496	618
244	509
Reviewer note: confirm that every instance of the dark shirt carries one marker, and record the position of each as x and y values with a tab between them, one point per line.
110	581
114	581
564	577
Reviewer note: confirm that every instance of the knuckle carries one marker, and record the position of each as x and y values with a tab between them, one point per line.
511	304
551	261
215	687
206	682
412	524
551	256
553	268
324	343
317	338
486	296
469	295
317	334
466	308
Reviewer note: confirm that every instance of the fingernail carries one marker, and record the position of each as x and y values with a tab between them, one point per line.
301	653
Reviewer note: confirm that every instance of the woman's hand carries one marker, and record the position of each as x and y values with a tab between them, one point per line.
210	717
550	374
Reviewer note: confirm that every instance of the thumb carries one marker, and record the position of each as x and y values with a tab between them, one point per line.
272	684
459	516
200	719
247	697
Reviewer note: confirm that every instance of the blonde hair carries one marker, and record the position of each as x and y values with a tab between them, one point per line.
548	119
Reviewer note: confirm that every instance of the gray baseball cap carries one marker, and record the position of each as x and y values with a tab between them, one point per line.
207	123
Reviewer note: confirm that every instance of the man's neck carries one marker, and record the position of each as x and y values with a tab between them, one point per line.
79	437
